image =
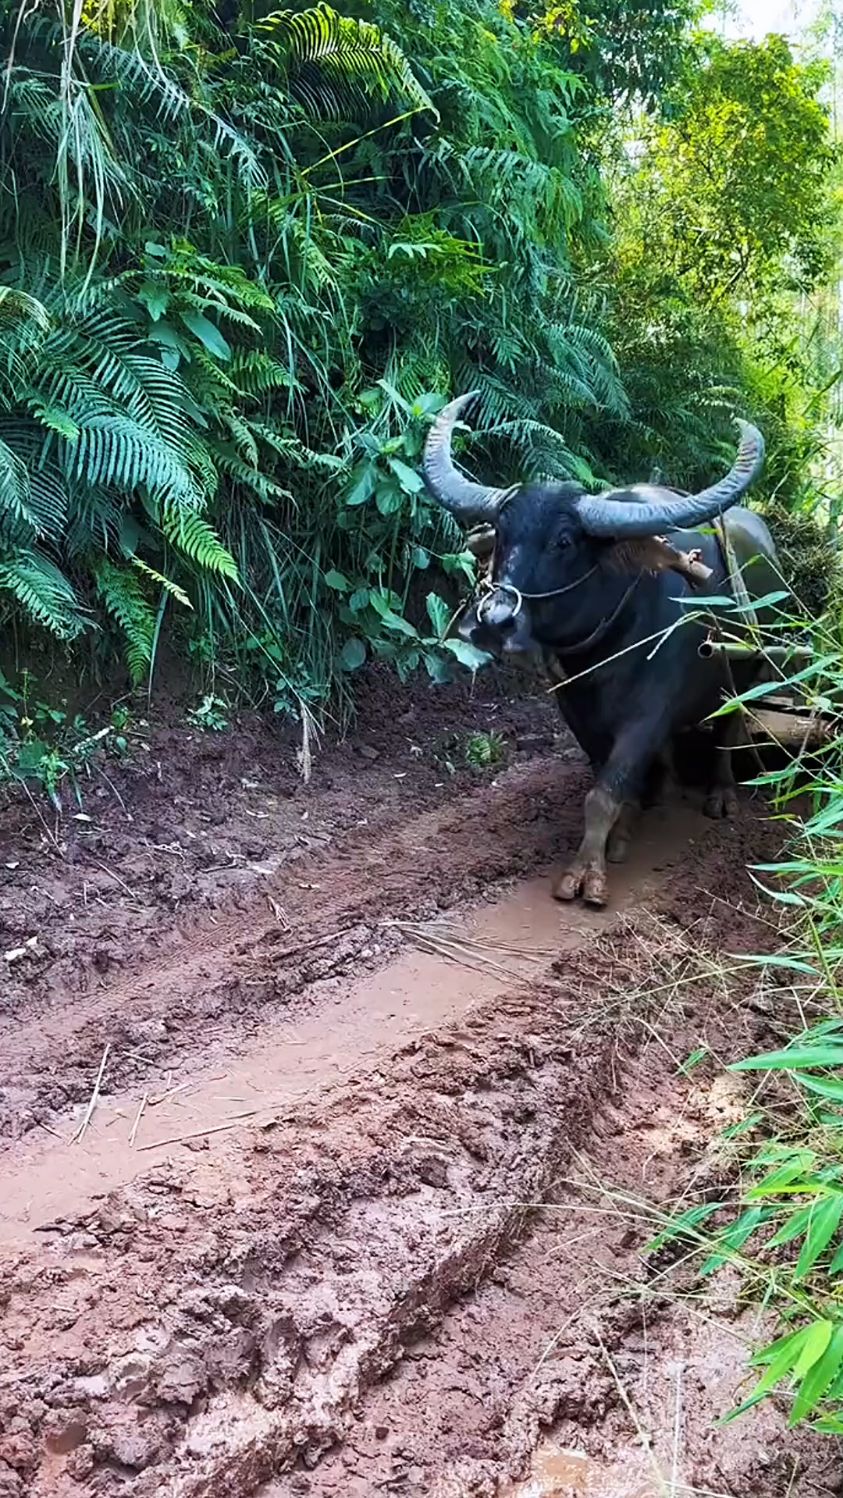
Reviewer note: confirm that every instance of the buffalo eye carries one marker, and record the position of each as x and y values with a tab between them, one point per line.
560	541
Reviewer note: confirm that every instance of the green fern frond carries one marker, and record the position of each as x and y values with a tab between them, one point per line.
191	534
43	592
166	583
112	450
15	493
229	462
295	452
255	373
126	602
243	437
334	64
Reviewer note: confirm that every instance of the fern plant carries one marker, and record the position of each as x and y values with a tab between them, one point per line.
240	253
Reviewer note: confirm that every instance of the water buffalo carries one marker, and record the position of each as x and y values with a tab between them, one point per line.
587	582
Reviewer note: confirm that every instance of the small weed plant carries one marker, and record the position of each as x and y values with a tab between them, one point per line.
485	749
44	745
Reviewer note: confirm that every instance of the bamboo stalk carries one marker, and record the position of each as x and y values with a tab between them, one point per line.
742	650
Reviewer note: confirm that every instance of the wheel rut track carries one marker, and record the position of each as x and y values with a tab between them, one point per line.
224	976
218	1319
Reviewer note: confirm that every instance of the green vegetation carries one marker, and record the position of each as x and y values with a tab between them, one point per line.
779	1219
42	742
245	255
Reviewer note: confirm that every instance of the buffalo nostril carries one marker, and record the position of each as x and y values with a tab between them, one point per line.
499	616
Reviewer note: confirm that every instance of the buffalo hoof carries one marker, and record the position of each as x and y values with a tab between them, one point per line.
721	802
590	883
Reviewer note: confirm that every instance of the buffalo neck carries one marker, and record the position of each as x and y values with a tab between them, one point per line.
611	611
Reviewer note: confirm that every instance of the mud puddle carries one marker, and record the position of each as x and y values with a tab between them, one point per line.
562	1474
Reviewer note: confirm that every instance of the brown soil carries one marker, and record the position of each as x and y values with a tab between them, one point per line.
359	1208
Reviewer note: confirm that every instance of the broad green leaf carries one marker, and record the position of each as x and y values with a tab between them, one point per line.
683	1223
823	1087
816	1341
467	654
428	405
437	668
364	481
461	562
818	1378
410	481
823	1222
784	1360
155	298
171	340
30	756
388	498
353	654
390	618
795	1058
734	1238
337	580
207	333
438	613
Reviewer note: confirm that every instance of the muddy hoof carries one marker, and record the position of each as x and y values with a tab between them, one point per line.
595	890
568	885
590	883
721	802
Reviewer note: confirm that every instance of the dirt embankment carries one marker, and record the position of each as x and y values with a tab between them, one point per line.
357	1207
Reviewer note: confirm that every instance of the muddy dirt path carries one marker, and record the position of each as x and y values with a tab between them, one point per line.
359	1208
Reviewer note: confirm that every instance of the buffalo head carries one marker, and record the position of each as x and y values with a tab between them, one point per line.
549	539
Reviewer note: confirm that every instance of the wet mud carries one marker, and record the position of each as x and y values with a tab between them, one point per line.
339	1182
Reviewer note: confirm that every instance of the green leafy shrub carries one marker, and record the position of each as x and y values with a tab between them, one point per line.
780	1222
246	256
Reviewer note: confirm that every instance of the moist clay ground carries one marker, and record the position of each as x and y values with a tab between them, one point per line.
330	1144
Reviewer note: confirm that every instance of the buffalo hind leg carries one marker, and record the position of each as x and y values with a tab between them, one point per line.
722	799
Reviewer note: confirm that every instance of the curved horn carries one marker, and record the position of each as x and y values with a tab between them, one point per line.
469	502
643	510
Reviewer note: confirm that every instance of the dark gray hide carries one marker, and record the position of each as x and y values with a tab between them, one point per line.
610	603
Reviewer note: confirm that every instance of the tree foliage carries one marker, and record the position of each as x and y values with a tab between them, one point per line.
724	227
244	255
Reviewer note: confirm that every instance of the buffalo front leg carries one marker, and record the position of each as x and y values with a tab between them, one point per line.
657	787
661	779
722	799
587	873
611	803
620	837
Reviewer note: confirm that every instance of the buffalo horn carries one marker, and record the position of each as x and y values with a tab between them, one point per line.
644	510
467	501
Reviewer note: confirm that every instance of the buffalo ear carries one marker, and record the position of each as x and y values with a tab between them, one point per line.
653	554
